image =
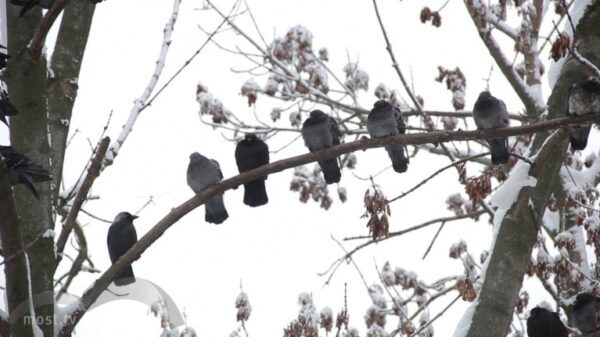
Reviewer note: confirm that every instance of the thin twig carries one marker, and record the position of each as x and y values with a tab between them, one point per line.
424	181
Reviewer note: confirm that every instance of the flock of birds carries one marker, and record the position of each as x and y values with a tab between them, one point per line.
320	131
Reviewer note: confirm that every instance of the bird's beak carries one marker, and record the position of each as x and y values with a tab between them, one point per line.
134	217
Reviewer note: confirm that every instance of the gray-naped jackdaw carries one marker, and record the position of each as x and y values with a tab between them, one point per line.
121	236
319	132
585	314
21	170
202	173
490	113
583	98
250	153
545	323
386	120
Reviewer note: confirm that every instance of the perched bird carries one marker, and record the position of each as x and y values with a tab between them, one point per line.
250	153
386	120
121	236
201	173
583	98
585	313
490	113
545	323
29	4
6	108
320	132
21	170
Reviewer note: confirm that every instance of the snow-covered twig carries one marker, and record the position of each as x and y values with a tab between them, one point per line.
533	104
139	102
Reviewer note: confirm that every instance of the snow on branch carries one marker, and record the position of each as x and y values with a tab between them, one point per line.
139	102
176	213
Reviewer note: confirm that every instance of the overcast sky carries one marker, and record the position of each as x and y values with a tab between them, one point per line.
276	250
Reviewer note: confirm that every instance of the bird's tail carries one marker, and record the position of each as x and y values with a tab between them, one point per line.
126	277
331	170
215	210
399	160
255	193
36	172
29	5
578	136
499	150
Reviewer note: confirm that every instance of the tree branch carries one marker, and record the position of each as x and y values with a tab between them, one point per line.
520	87
39	36
92	174
139	103
134	253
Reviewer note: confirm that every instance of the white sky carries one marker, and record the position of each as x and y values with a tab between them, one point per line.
278	249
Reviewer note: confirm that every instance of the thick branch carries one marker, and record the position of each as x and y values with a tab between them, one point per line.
39	36
503	63
65	64
134	253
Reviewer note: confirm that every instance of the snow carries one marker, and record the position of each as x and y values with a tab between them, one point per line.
551	220
37	332
507	193
49	233
465	322
504	198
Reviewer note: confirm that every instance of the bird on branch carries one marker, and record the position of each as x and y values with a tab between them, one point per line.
545	323
583	98
250	153
386	120
319	132
121	236
490	113
202	173
22	170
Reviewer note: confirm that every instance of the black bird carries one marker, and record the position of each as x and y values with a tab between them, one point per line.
6	108
29	4
320	132
386	120
121	236
202	173
585	313
21	170
545	323
490	113
583	98
250	153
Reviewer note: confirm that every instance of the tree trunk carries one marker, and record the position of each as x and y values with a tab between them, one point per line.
26	79
518	231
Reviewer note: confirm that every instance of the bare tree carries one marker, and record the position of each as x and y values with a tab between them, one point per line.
541	177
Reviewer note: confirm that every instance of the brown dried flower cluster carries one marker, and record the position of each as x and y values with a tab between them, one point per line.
311	184
377	210
456	83
466	289
210	105
560	47
523	302
427	15
478	188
